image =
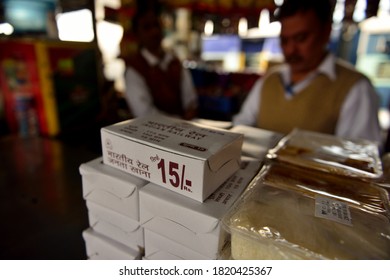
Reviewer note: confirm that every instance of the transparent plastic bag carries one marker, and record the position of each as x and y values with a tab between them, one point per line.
276	223
328	153
366	196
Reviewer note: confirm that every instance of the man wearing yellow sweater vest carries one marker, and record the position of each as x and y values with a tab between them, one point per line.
312	90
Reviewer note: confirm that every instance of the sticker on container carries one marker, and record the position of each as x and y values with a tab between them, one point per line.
333	210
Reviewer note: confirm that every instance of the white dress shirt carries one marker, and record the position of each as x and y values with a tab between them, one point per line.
137	92
359	113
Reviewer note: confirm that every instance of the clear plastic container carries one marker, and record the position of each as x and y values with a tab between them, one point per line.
361	194
271	222
328	153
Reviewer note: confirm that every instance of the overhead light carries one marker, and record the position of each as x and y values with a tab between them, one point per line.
359	13
264	19
243	27
109	36
209	28
76	26
384	8
338	14
278	2
6	28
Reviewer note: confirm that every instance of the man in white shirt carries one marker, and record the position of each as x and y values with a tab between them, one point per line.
313	90
156	81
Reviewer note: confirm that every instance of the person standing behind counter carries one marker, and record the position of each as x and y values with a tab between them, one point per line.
313	90
156	81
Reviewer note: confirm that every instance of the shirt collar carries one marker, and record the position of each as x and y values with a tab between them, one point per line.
327	67
154	60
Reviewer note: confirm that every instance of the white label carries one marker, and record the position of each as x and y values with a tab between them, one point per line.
173	171
333	210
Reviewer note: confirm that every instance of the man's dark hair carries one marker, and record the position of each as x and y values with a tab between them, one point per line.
142	8
322	8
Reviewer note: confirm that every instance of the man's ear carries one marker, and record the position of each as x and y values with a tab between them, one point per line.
327	30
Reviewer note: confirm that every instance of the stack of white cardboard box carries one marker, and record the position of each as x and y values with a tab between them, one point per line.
112	199
162	187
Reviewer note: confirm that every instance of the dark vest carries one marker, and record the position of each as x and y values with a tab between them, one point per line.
316	107
164	86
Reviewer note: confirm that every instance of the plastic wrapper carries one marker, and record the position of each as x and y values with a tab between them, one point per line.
366	196
275	223
328	153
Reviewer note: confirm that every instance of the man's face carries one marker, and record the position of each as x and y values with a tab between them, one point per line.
303	41
149	31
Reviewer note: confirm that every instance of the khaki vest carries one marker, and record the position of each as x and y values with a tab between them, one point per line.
316	107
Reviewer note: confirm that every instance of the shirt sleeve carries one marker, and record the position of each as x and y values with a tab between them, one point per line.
137	94
188	92
250	108
359	113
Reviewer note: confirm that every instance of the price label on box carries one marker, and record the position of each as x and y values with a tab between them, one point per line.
187	158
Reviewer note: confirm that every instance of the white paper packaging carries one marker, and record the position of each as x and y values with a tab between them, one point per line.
184	157
99	247
111	187
115	225
193	224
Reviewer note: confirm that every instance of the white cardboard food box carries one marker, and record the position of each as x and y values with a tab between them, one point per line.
162	256
100	247
158	247
182	156
193	224
257	141
115	225
111	187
